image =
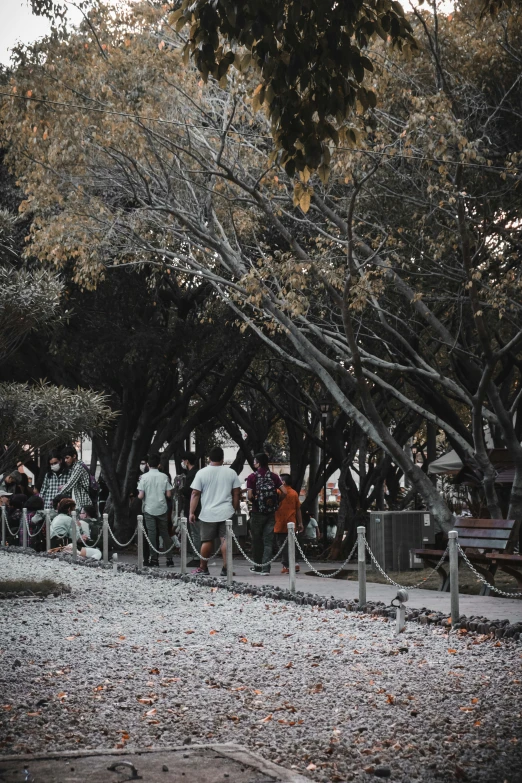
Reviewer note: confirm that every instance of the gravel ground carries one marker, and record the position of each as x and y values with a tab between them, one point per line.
127	661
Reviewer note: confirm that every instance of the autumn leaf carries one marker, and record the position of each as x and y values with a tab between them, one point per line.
390	698
466	709
474	701
258	693
150	713
154	671
213	632
62	695
34	714
311	767
288	665
146	700
189	631
267	719
243	640
451	651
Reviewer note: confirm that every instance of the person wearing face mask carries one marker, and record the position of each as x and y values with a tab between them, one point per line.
144	468
55	477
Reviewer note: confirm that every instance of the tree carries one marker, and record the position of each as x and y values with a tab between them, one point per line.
396	278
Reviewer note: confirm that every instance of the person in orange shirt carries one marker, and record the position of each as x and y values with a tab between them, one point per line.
288	511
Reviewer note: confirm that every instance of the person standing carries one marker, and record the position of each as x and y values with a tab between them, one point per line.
189	462
265	492
154	488
54	478
218	489
76	485
288	511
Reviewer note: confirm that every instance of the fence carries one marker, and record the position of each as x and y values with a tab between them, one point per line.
453	552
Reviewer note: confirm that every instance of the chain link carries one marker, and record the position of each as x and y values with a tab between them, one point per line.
258	565
97	540
479	576
9	529
396	584
216	553
116	540
165	552
324	576
33	535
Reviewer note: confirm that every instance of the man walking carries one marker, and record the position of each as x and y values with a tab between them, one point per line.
288	511
154	488
218	489
265	491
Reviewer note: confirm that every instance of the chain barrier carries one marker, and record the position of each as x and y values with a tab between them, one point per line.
165	552
479	576
9	529
116	540
258	565
324	576
97	540
33	535
396	584
216	553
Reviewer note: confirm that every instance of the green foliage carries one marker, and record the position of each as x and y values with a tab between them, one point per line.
309	56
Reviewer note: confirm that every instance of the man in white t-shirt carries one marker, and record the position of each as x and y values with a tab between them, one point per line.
218	488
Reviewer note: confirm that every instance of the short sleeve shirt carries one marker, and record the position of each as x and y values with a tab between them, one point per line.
154	484
216	482
251	483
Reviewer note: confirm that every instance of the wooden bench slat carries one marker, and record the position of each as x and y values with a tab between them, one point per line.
470	532
502	556
488	524
483	543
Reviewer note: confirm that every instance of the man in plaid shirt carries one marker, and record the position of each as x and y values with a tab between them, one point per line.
77	485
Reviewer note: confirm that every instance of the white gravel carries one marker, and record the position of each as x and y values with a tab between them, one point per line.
130	661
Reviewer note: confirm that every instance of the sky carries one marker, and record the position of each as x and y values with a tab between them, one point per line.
19	24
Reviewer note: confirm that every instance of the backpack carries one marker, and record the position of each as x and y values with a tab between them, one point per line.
267	497
94	487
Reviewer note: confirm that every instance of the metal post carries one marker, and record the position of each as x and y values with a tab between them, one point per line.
4	542
47	529
291	555
183	545
140	541
400	614
361	558
325	482
24	528
74	535
105	538
230	568
115	563
453	541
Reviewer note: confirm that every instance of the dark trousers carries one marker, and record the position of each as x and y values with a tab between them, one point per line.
262	530
158	526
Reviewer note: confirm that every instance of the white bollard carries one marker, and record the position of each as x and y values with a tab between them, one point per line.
140	541
230	552
4	542
400	614
47	513
361	563
184	522
291	555
115	563
74	535
105	538
453	541
24	528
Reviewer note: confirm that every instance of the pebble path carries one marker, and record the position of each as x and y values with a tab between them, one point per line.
126	661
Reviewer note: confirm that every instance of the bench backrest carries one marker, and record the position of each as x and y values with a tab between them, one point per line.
486	534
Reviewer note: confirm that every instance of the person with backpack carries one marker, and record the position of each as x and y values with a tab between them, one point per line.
265	491
78	480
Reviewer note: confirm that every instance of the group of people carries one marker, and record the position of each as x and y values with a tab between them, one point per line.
213	495
66	487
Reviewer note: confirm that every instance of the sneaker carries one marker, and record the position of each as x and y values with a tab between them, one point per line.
146	563
254	570
224	572
201	571
285	570
154	564
170	562
297	568
265	573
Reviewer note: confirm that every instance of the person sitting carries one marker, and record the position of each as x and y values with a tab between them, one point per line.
14	519
90	524
61	526
36	522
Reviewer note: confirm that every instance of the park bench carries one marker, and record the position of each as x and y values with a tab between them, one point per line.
488	545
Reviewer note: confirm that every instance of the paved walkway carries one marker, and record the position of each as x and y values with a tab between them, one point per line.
483	606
